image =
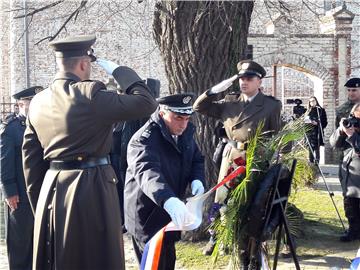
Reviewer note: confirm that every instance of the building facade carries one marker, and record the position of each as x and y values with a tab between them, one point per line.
307	50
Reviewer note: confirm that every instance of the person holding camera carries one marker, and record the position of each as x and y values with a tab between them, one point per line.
316	119
347	136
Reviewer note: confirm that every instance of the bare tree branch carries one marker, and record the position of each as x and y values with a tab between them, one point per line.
38	10
63	26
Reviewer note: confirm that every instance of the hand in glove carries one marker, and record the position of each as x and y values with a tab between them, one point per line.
197	187
178	212
222	86
109	66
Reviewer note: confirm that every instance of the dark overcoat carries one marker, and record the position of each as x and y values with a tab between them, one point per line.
158	168
316	132
350	166
77	220
20	222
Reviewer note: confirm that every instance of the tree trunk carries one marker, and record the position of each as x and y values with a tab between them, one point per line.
200	43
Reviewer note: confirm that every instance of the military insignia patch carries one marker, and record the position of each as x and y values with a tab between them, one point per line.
245	65
186	99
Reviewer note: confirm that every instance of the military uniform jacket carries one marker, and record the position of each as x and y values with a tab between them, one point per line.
158	168
11	139
68	120
350	167
343	111
241	121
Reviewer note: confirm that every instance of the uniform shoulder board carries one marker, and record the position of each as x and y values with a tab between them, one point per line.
147	132
237	93
233	95
89	87
8	119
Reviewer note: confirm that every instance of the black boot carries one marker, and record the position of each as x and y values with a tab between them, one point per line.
351	207
350	235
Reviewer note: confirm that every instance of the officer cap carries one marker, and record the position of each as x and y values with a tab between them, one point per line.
28	92
353	83
178	103
74	46
249	68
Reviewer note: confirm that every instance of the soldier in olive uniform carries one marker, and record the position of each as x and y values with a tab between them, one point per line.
353	89
347	140
240	113
68	175
19	217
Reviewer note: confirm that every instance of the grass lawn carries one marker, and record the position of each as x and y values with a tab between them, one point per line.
321	228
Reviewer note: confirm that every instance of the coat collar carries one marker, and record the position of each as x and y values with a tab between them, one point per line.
255	105
66	76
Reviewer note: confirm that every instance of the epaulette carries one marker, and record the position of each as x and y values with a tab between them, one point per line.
9	118
90	87
147	132
273	98
233	95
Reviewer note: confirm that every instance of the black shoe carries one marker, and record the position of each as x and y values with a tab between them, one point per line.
209	248
349	236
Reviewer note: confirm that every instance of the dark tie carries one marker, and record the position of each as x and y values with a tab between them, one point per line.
247	103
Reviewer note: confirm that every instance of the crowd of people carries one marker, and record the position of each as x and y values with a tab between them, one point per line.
75	149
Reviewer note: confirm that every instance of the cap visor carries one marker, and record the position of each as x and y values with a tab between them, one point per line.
182	112
248	74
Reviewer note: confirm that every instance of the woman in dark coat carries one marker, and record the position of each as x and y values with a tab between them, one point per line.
315	117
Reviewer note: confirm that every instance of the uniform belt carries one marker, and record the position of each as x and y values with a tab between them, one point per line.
79	164
238	145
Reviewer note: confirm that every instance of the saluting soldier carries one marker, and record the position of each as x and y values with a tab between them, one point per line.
19	217
353	90
70	182
241	115
163	160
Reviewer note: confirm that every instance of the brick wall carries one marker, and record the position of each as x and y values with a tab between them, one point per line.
124	35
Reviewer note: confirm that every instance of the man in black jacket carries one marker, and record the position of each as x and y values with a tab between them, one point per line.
19	217
163	159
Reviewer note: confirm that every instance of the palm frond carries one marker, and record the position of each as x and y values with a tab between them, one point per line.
262	152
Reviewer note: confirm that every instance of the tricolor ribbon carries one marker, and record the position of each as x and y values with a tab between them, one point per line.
152	251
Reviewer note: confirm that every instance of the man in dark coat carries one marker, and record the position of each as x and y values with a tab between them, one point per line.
348	138
19	217
241	114
68	175
163	160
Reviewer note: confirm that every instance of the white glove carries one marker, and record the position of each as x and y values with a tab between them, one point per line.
109	66
178	212
197	187
222	86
